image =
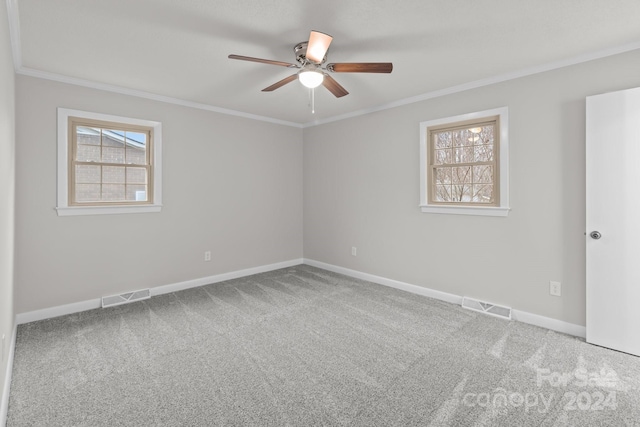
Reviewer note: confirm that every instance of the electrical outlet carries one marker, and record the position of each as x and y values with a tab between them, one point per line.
555	288
354	251
207	256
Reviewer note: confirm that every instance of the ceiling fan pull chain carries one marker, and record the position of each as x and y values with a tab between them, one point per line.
313	101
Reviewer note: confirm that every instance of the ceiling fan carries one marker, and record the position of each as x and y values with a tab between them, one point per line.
310	57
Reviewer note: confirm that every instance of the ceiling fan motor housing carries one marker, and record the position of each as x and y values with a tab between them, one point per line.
300	51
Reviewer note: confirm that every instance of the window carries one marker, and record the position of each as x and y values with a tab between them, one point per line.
464	164
107	164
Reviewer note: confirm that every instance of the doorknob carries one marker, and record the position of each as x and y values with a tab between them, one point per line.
595	235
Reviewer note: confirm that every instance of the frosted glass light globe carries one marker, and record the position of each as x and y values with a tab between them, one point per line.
310	79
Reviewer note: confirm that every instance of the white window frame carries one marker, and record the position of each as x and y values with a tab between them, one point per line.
503	166
63	208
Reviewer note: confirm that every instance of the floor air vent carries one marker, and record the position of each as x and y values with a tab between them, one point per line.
486	307
125	298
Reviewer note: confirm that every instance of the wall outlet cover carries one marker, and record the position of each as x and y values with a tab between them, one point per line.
555	288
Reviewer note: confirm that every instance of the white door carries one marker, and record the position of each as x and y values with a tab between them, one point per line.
613	220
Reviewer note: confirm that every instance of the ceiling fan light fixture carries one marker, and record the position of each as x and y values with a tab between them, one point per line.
310	78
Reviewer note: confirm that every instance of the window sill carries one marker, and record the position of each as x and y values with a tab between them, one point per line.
466	210
106	210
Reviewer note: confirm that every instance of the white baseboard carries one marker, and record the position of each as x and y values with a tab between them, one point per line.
4	399
414	289
175	287
550	323
61	310
521	316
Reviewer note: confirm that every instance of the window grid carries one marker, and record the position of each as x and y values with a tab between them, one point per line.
128	165
471	147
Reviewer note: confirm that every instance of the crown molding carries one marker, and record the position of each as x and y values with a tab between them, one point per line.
14	33
591	56
14	30
25	71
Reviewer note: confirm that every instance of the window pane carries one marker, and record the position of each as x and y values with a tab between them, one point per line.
486	136
461	193
113	138
136	156
137	193
112	155
113	175
442	140
461	175
87	174
112	192
88	153
473	136
87	192
483	174
463	155
442	157
483	153
461	138
442	193
136	176
443	175
483	193
137	138
88	136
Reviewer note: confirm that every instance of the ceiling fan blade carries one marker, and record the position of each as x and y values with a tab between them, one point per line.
281	83
361	67
318	46
263	61
334	87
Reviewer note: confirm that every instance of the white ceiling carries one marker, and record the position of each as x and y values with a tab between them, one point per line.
179	48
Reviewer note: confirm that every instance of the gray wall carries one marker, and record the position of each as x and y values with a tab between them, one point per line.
7	164
361	189
240	197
